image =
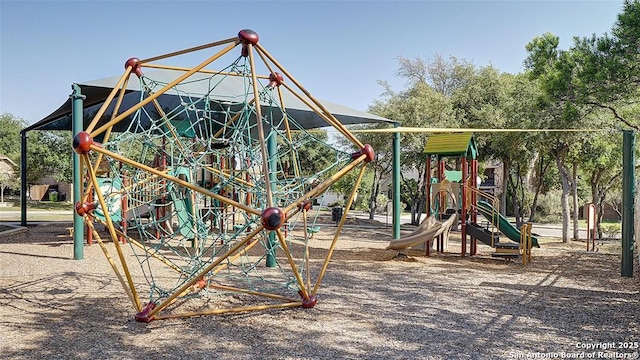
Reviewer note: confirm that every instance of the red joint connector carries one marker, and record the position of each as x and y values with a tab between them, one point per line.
275	79
143	315
366	150
308	303
200	284
247	37
135	66
306	206
84	208
82	142
272	218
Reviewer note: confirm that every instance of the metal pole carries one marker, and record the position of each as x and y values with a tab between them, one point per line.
628	194
23	178
272	166
396	184
77	123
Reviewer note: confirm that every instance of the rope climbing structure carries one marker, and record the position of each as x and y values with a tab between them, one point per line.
205	200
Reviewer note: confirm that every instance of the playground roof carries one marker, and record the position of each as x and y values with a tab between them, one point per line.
453	144
97	91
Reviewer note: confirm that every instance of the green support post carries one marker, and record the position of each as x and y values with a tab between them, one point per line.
77	123
628	195
272	150
396	184
23	178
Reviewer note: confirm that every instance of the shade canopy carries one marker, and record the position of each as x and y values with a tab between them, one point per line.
199	85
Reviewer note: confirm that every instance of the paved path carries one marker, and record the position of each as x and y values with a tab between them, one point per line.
13	216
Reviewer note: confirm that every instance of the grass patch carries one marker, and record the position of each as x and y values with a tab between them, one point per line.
42	205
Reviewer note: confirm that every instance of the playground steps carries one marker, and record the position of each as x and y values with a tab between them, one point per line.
506	250
503	249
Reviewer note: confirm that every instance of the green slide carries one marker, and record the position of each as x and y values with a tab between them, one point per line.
502	223
182	202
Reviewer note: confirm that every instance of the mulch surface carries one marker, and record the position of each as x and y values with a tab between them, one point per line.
373	304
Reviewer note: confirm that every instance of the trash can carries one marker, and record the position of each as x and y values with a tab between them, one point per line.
53	196
336	214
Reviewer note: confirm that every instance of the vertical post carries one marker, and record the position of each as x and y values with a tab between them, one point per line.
396	184
427	190
441	177
463	214
272	150
23	178
628	194
77	123
473	212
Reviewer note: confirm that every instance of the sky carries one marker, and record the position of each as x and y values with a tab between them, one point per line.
338	50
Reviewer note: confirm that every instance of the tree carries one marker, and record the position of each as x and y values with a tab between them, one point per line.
554	69
49	153
10	127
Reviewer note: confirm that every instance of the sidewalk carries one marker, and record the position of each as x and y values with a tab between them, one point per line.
546	230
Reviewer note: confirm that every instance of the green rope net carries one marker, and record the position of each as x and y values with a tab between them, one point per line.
185	180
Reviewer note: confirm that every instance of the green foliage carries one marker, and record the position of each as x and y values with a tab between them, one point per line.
49	153
345	186
313	155
10	127
549	207
611	230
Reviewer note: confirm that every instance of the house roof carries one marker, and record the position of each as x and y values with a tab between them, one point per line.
6	158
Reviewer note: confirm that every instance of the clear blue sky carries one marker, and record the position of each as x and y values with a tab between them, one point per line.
337	50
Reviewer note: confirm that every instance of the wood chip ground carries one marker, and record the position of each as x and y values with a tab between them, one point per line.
373	304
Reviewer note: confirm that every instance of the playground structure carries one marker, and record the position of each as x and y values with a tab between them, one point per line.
209	197
431	227
462	187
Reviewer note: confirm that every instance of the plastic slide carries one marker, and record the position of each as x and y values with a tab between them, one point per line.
111	190
183	204
502	223
424	233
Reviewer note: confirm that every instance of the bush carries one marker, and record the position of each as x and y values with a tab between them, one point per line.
381	203
549	208
611	230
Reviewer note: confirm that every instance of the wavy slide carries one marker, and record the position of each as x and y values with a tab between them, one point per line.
503	225
424	233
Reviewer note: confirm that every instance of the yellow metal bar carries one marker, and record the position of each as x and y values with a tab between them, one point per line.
263	145
112	263
174	179
529	242
252	292
337	123
222	174
234	257
296	171
306	247
338	230
294	268
454	130
325	184
107	216
231	121
203	71
163	259
228	311
203	272
162	91
124	80
107	134
185	51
